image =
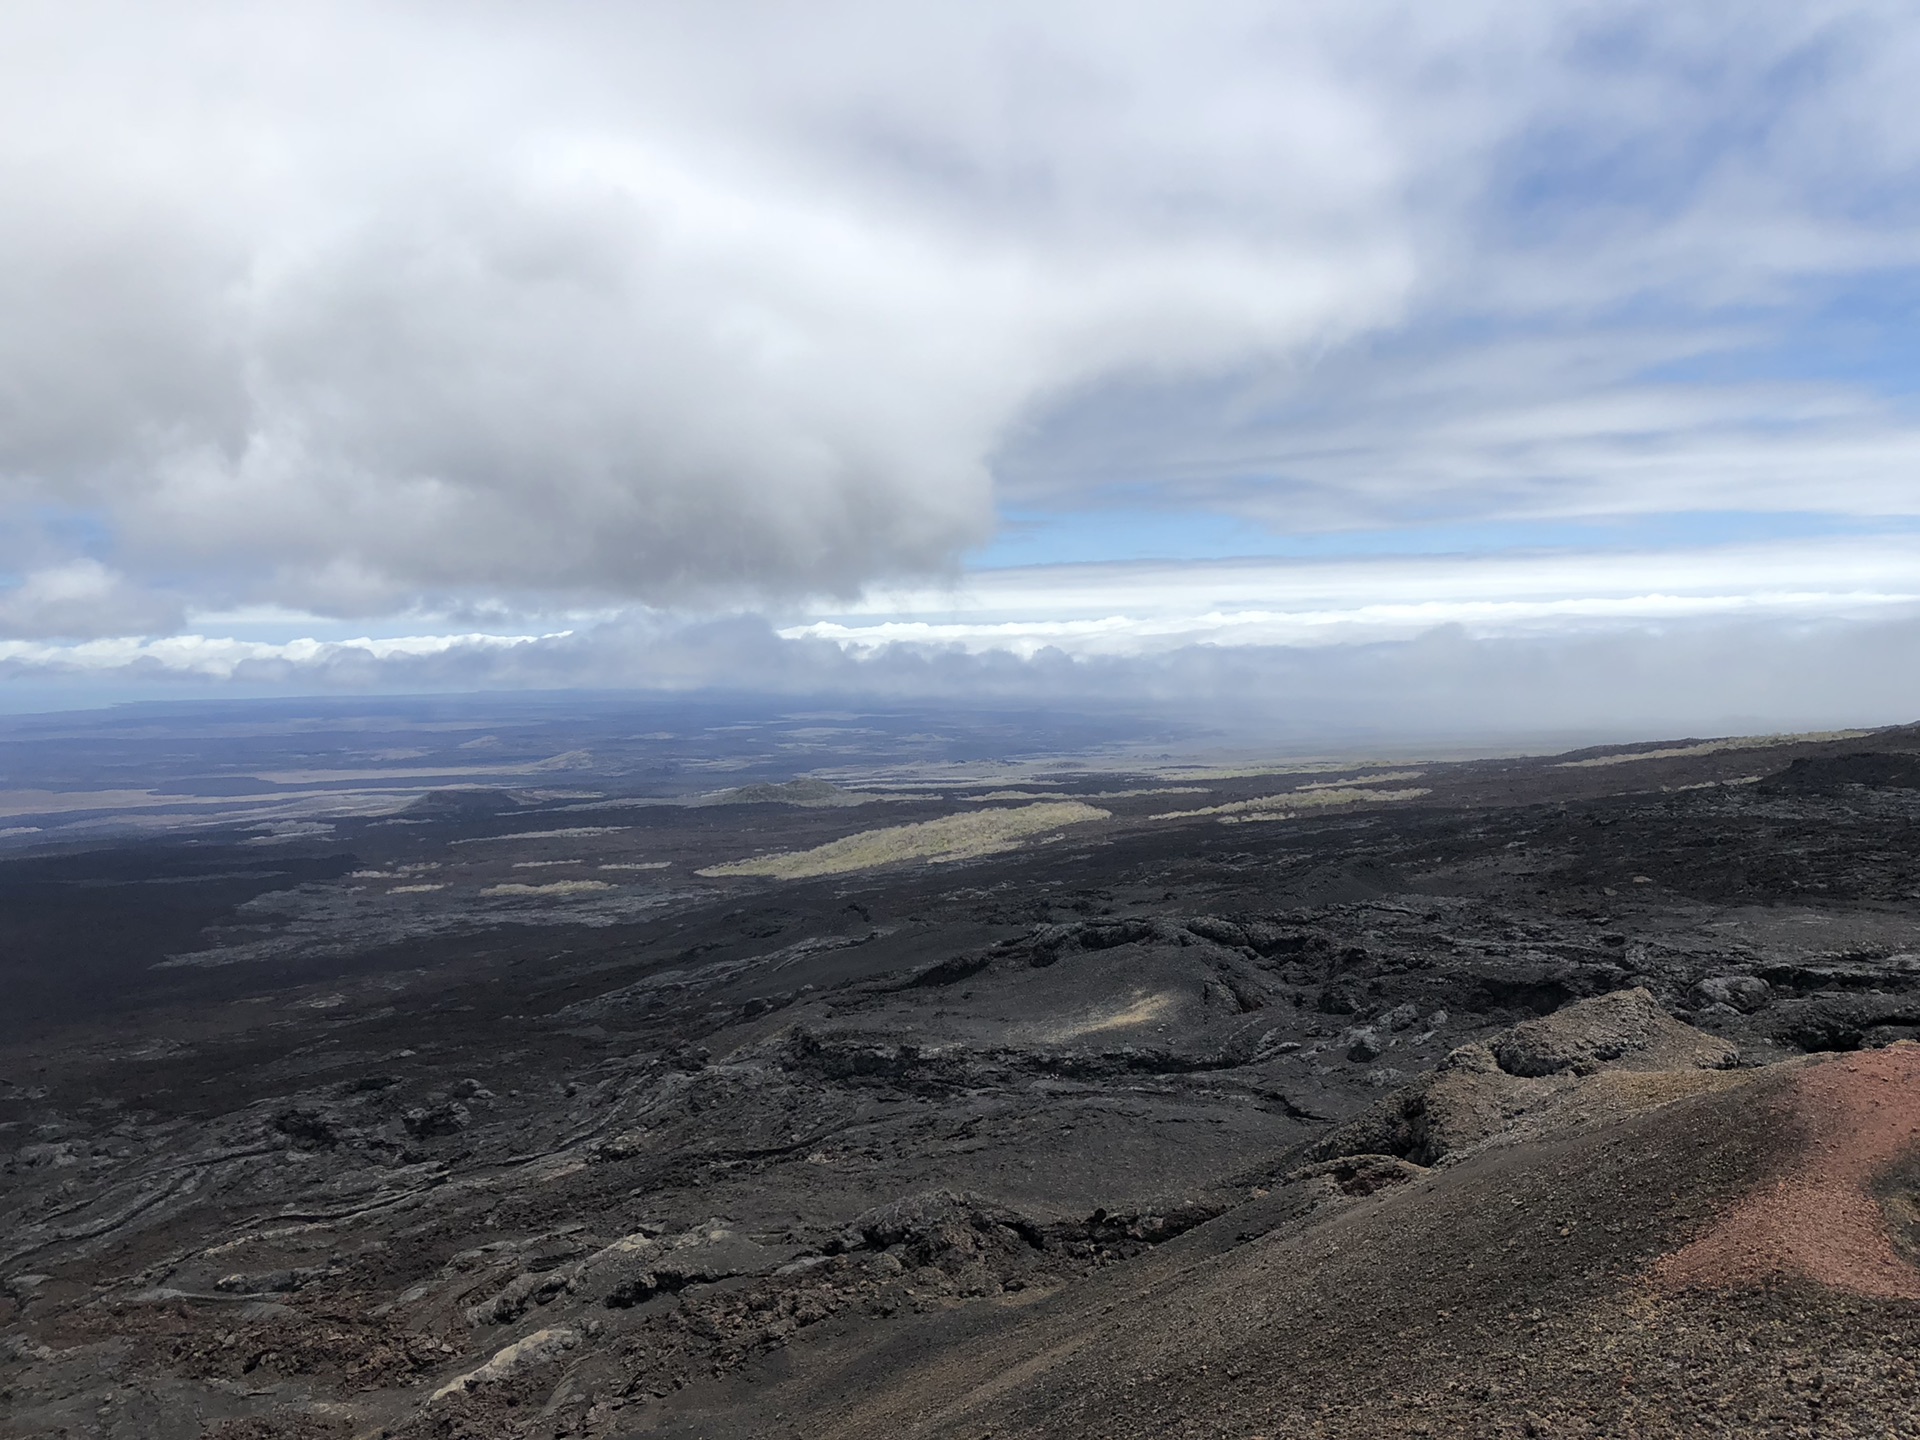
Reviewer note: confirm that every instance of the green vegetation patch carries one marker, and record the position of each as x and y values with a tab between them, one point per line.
952	837
1280	807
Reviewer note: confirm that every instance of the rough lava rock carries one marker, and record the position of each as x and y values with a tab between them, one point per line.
1624	1030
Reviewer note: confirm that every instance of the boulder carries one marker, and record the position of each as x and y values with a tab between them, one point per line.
1221	932
308	1128
1478	1091
1364	1044
520	1292
1626	1030
1745	993
935	1222
1466	1100
634	1269
448	1118
542	1347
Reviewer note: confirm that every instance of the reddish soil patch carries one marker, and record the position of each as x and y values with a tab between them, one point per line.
1821	1220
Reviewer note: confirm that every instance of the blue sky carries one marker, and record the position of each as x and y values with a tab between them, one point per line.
1175	532
417	345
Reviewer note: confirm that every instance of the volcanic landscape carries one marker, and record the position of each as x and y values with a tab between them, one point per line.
846	1077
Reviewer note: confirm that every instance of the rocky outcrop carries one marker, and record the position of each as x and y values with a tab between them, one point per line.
1479	1091
542	1347
1624	1031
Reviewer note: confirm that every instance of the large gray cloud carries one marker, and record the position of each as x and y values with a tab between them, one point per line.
355	306
342	305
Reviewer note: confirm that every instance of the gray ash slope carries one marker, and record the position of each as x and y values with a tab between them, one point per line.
441	1140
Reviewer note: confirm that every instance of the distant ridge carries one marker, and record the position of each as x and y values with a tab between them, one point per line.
478	803
812	794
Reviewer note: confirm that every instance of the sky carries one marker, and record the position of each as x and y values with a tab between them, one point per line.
1471	368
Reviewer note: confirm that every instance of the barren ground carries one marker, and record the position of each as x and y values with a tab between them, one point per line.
1537	1097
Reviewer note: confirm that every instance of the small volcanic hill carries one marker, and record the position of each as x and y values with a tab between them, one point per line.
1606	1247
472	803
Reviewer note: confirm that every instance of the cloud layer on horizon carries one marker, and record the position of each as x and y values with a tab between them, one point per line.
355	308
1702	676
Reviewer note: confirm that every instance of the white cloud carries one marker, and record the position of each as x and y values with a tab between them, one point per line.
81	598
342	305
204	657
1665	261
1502	427
1147	607
1716	674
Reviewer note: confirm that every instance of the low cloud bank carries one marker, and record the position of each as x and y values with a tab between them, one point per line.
1685	678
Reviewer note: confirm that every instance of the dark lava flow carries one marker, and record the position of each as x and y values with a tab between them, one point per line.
502	1120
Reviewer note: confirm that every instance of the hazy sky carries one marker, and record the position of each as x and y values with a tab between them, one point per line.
1487	363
